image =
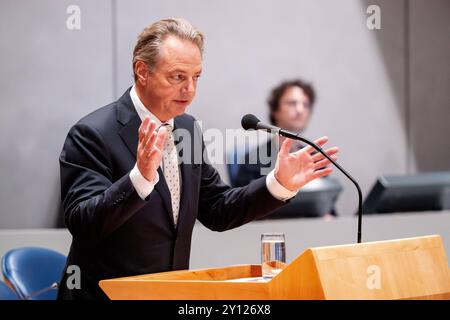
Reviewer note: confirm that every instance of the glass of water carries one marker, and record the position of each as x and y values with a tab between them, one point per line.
273	254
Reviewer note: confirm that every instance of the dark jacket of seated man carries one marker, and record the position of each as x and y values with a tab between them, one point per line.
255	163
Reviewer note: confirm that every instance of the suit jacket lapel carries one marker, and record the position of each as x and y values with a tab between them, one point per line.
128	117
129	134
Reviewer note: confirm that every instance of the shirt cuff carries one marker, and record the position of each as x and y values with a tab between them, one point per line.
142	186
276	189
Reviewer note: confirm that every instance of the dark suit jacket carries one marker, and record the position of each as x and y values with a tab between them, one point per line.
115	232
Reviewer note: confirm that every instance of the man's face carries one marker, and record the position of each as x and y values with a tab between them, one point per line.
171	87
294	110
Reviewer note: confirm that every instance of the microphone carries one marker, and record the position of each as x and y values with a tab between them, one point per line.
249	121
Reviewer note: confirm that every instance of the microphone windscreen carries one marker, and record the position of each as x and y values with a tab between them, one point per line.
249	121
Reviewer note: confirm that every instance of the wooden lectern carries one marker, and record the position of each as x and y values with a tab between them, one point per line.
413	268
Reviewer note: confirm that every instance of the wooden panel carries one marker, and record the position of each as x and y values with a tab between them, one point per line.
300	280
405	268
195	284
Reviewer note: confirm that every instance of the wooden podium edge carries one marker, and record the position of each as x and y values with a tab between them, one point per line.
303	278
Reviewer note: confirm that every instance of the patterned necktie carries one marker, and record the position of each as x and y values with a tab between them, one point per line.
170	164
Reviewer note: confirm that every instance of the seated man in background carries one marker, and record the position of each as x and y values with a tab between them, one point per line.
290	108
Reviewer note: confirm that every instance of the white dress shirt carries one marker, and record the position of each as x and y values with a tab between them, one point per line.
144	187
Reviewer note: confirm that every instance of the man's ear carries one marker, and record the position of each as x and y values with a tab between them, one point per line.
141	70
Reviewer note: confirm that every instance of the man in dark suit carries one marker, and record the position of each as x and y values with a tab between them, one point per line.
133	175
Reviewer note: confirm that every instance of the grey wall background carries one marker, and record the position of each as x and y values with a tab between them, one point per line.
383	95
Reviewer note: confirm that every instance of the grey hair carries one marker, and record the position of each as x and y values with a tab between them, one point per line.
150	40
